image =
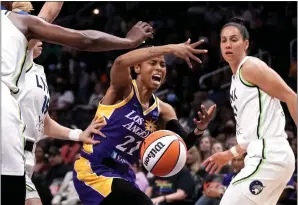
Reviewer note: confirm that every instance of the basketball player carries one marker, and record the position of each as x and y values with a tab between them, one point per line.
102	175
34	101
255	95
16	31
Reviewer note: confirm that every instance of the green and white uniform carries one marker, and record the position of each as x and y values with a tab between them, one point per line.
260	128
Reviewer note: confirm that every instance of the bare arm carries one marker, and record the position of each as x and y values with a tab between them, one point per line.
55	130
120	73
258	73
85	40
50	10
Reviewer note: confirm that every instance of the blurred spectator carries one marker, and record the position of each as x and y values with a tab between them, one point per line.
96	96
141	179
57	170
177	188
193	163
69	151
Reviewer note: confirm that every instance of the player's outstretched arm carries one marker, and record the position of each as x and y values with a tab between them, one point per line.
120	73
50	10
85	40
57	131
170	122
260	74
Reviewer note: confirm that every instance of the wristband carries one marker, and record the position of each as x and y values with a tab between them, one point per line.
200	129
234	151
74	134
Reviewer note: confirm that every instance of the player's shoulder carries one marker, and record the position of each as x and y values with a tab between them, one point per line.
253	62
165	107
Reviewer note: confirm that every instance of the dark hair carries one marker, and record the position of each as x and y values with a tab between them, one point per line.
132	70
238	23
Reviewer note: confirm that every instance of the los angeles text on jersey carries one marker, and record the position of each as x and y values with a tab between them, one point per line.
134	125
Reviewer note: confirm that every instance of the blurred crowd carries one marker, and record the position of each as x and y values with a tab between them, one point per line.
78	80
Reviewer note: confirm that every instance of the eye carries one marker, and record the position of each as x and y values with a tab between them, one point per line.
223	40
162	64
234	39
152	62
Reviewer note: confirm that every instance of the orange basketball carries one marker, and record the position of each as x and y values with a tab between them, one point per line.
163	153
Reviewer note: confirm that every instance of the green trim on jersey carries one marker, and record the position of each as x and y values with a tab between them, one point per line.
262	160
248	84
260	115
20	72
29	68
29	188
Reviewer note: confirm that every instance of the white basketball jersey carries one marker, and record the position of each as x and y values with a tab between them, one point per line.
14	46
257	114
34	99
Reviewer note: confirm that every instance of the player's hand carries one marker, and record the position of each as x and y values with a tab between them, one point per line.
158	200
205	117
93	128
139	32
215	162
187	50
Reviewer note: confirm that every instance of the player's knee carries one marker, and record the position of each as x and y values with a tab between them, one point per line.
33	202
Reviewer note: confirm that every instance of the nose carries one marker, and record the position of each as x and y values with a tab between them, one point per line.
228	45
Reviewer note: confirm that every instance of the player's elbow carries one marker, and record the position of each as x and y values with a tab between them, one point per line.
119	62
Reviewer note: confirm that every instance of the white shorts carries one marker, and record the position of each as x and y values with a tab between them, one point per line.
269	165
31	192
12	128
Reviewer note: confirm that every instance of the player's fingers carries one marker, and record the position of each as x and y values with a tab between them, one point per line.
101	134
196	122
91	141
188	41
212	110
198	51
149	34
205	113
188	62
139	23
194	57
218	170
94	119
144	24
202	117
99	125
195	44
98	120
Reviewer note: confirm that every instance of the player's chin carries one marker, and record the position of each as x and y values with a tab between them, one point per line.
154	85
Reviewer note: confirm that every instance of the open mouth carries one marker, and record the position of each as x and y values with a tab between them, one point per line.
156	78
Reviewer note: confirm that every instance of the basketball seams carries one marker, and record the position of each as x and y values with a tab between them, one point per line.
179	155
151	144
163	155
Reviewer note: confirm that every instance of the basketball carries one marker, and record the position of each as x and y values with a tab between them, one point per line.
163	153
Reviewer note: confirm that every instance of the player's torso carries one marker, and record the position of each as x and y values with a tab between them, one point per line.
13	54
34	100
257	114
127	126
